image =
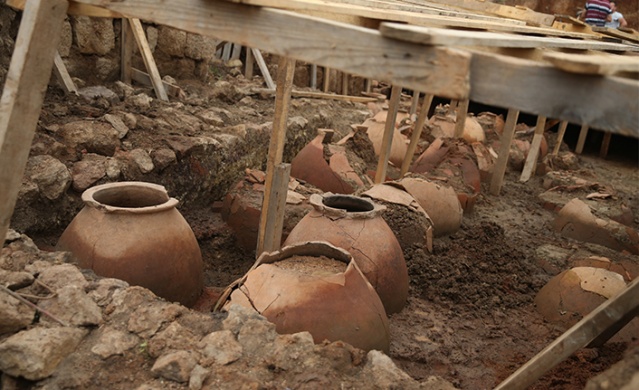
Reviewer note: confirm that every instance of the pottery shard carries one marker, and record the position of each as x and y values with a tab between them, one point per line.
88	171
95	137
34	354
175	366
114	342
73	306
50	176
15	314
220	348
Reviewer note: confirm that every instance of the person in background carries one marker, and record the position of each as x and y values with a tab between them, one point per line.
615	19
596	12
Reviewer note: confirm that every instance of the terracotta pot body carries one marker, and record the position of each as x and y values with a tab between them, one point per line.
355	224
337	306
133	232
440	202
444	126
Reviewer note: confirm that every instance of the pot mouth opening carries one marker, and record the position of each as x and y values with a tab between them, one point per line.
348	203
138	197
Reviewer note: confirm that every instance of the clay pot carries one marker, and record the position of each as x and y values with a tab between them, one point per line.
133	232
355	224
316	287
375	130
444	126
574	293
440	202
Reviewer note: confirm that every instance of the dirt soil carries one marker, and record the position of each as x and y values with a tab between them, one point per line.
470	316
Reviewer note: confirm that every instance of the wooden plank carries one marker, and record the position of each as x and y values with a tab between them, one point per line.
345	83
62	75
313	76
23	93
387	139
147	57
226	51
460	121
605	144
236	52
613	32
531	160
560	137
74	9
285	73
266	75
597	322
271	237
517	12
126	51
248	66
321	95
448	37
541	89
278	32
581	141
327	79
497	179
144	79
593	63
417	133
413	104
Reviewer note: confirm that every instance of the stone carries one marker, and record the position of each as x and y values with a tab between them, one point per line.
114	342
220	348
50	175
381	370
35	353
95	93
58	276
198	376
106	69
94	35
163	157
66	39
123	90
102	291
175	366
199	47
113	168
130	120
174	337
141	100
94	137
171	41
88	171
15	314
142	159
152	38
15	280
146	320
73	306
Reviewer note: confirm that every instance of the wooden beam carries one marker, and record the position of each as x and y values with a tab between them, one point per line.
598	64
144	79
147	57
313	76
321	95
126	51
560	137
63	76
508	82
345	79
533	153
605	144
499	170
387	139
75	9
278	32
248	66
614	32
236	52
413	104
273	212
417	132
581	141
327	79
266	75
518	12
460	121
448	37
23	93
226	51
623	306
285	73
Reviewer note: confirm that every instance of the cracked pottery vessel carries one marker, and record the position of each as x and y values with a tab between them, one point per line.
318	288
132	231
356	225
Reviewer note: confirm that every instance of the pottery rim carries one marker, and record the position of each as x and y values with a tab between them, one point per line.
134	197
360	208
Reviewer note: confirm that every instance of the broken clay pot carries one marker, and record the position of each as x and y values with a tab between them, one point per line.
355	224
132	231
316	287
444	126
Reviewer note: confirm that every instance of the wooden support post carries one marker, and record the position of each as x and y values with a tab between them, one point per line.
313	76
560	137
531	160
266	75
460	121
63	76
502	159
327	79
605	144
144	79
452	106
147	57
368	85
599	324
126	51
345	83
237	50
26	82
581	141
413	104
274	210
226	51
387	139
417	132
285	73
248	66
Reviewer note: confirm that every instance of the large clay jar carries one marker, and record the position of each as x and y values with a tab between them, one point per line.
355	224
133	232
316	287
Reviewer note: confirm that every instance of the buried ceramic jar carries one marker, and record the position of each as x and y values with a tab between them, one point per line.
133	232
318	288
355	224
